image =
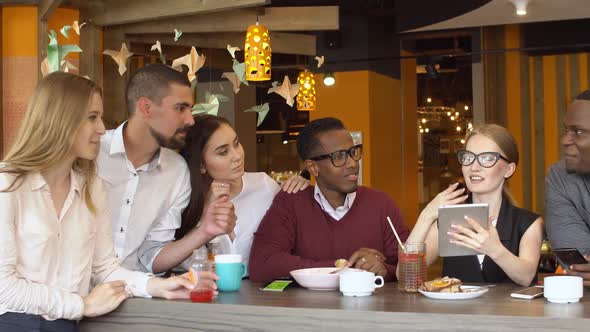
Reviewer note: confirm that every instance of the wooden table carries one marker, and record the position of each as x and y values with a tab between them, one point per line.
386	310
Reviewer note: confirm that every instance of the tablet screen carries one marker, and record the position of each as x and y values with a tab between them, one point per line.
455	215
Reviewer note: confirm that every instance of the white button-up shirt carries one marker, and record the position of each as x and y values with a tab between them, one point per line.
47	260
146	203
340	211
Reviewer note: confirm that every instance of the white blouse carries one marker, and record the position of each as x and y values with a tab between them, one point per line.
47	260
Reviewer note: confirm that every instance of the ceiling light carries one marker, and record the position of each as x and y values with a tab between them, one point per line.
329	79
520	6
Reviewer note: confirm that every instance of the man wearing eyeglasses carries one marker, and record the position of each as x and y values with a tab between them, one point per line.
567	187
336	219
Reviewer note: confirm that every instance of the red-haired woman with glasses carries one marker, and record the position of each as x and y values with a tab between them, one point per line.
509	249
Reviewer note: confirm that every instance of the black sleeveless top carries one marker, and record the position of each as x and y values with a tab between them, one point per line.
512	223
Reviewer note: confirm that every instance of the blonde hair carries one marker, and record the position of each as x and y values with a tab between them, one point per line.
504	140
55	112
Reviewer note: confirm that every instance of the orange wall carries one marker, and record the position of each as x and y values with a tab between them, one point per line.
20	70
19	65
19	31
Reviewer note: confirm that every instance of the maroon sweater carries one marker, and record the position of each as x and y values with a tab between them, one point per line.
296	233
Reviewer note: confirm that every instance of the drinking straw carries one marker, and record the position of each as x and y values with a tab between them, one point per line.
396	236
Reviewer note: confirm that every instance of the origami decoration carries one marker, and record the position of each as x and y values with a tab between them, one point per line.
286	90
320	60
65	66
57	53
232	50
120	57
177	34
262	111
240	70
64	31
211	108
193	61
233	78
77	27
157	46
220	98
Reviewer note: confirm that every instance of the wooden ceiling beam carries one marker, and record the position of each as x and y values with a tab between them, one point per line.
122	12
47	7
286	43
275	19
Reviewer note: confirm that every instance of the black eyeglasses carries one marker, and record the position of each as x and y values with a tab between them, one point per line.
485	159
340	157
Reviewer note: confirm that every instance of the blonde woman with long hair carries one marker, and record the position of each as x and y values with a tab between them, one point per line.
509	249
55	232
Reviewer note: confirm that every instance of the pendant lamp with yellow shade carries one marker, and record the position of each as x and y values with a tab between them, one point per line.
257	53
306	99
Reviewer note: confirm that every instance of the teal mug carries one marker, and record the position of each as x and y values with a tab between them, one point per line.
230	270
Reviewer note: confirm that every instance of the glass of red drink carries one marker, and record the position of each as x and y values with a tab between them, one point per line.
412	267
202	295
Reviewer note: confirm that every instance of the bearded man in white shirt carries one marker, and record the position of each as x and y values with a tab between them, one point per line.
149	181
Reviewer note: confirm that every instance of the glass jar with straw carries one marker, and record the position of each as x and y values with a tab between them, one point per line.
411	262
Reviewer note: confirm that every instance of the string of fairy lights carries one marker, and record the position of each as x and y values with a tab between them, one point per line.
444	118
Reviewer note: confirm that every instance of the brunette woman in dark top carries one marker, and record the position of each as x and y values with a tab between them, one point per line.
510	247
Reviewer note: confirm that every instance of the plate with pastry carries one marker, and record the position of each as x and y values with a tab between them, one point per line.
450	289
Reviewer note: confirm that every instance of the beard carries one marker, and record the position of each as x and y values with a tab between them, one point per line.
173	142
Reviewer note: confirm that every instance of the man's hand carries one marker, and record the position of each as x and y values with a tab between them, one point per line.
217	190
369	260
219	217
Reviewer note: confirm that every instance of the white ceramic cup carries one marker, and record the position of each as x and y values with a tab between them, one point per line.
563	289
359	283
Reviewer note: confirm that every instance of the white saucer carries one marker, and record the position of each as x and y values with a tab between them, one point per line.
475	291
345	293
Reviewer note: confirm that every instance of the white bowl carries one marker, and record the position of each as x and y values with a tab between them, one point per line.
318	278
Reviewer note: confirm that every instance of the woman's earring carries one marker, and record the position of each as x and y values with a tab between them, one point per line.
203	170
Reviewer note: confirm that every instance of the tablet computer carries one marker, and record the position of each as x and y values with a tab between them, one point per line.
455	215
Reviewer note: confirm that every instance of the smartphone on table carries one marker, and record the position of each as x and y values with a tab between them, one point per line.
528	293
569	256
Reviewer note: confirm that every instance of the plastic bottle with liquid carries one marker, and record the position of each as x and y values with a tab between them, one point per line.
200	263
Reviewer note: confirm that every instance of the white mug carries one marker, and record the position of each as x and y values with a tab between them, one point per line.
359	283
563	289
